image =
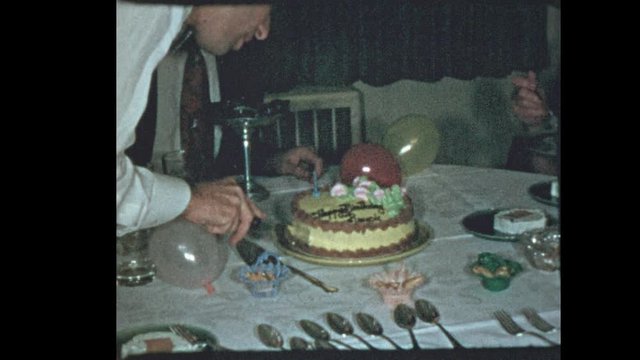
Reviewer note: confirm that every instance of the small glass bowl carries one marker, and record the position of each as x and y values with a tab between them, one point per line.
542	247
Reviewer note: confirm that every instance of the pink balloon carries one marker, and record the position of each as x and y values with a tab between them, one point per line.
186	255
373	161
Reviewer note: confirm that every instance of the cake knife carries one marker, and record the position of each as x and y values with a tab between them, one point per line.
250	251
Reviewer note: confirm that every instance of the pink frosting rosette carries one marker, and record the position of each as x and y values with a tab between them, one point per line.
339	189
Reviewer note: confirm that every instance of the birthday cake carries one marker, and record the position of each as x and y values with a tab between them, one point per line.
362	220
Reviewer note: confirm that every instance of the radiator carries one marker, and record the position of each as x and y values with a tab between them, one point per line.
328	119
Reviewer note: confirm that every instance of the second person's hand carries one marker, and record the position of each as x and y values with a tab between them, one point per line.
297	162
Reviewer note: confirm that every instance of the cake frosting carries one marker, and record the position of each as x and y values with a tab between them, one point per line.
517	221
361	220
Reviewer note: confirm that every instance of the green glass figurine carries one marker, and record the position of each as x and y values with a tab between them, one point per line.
495	271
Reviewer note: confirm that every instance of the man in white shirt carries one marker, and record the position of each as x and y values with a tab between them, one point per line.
144	34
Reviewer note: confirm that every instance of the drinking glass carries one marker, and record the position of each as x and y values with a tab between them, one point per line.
133	264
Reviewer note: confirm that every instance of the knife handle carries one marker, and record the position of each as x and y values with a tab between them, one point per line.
314	281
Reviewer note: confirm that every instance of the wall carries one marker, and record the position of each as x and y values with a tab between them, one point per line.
474	117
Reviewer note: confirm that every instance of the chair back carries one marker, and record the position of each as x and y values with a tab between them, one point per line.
328	119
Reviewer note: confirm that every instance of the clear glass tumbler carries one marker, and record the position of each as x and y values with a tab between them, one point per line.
134	266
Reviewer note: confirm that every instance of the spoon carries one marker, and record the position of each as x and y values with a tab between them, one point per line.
405	317
371	326
427	312
270	336
343	327
298	343
324	345
317	332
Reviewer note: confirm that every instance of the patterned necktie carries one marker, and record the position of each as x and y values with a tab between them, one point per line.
196	133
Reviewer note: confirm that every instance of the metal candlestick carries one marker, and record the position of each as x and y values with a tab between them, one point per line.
244	120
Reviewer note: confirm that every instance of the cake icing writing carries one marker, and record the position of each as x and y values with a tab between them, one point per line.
347	212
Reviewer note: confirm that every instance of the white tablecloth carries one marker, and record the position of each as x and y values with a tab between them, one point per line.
442	195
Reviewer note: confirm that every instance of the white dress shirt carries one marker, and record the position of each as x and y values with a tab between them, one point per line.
144	34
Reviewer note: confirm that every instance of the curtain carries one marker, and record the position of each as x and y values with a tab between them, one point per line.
332	43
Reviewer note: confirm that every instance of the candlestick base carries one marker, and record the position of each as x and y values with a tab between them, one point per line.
255	191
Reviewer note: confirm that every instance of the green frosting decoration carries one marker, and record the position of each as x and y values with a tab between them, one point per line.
392	201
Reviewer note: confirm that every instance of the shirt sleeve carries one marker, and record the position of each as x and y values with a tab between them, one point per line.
143	36
145	199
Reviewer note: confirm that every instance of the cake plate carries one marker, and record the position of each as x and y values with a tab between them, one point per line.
422	239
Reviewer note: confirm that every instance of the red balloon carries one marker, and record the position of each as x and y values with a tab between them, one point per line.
373	161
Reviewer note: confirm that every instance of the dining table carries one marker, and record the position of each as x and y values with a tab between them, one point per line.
443	196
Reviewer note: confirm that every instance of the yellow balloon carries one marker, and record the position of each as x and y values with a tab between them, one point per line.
414	140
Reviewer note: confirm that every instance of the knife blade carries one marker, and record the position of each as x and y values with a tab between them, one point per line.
250	251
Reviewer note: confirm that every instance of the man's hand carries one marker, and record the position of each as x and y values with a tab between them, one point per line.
222	207
297	162
529	102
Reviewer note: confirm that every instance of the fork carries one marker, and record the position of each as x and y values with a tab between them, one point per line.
514	329
535	320
194	339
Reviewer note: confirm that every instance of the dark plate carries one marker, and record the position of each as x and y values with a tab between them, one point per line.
542	192
480	223
122	337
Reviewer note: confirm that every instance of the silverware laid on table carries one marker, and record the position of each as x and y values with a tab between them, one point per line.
317	332
371	326
324	345
405	317
270	336
427	312
249	252
514	329
298	343
534	319
343	327
193	339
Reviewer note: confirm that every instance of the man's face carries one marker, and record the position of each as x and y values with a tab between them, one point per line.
221	28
